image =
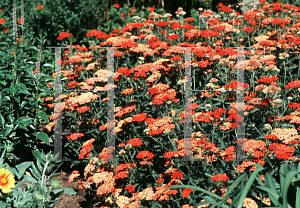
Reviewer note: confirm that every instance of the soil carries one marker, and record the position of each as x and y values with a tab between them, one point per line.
67	201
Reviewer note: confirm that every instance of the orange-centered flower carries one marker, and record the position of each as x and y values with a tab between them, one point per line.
7	181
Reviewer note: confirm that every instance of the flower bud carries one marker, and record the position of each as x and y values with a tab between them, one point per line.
136	18
277	101
128	146
208	106
268	126
167	131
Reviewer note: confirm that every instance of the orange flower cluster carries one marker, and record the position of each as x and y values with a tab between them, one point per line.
286	135
83	109
241	168
74	174
141	48
220	177
159	125
63	35
86	148
75	136
254	144
135	142
282	151
128	91
185	192
145	155
125	110
97	34
82	99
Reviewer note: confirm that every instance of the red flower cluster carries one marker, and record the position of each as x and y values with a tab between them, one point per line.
83	109
162	24
130	188
122	174
72	84
168	155
2	21
271	136
63	35
139	117
86	148
97	34
268	79
135	142
220	177
185	192
144	154
173	37
293	84
177	175
75	136
282	151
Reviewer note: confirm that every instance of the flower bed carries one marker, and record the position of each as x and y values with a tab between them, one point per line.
150	81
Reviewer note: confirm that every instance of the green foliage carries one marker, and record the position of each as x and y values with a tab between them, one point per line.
21	89
283	194
41	190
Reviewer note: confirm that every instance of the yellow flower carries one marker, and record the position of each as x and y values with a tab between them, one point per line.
7	180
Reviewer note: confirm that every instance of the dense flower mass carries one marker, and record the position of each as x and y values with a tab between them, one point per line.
152	56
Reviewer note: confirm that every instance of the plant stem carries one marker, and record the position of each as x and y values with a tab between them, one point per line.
43	176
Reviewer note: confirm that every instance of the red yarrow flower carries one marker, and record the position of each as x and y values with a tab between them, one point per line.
135	142
86	148
139	117
130	188
75	136
63	35
144	154
83	109
177	175
39	7
185	192
220	177
117	6
122	174
2	21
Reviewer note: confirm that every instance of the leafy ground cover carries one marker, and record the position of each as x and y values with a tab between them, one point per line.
149	111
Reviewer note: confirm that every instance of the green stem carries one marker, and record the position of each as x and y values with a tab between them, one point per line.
43	176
